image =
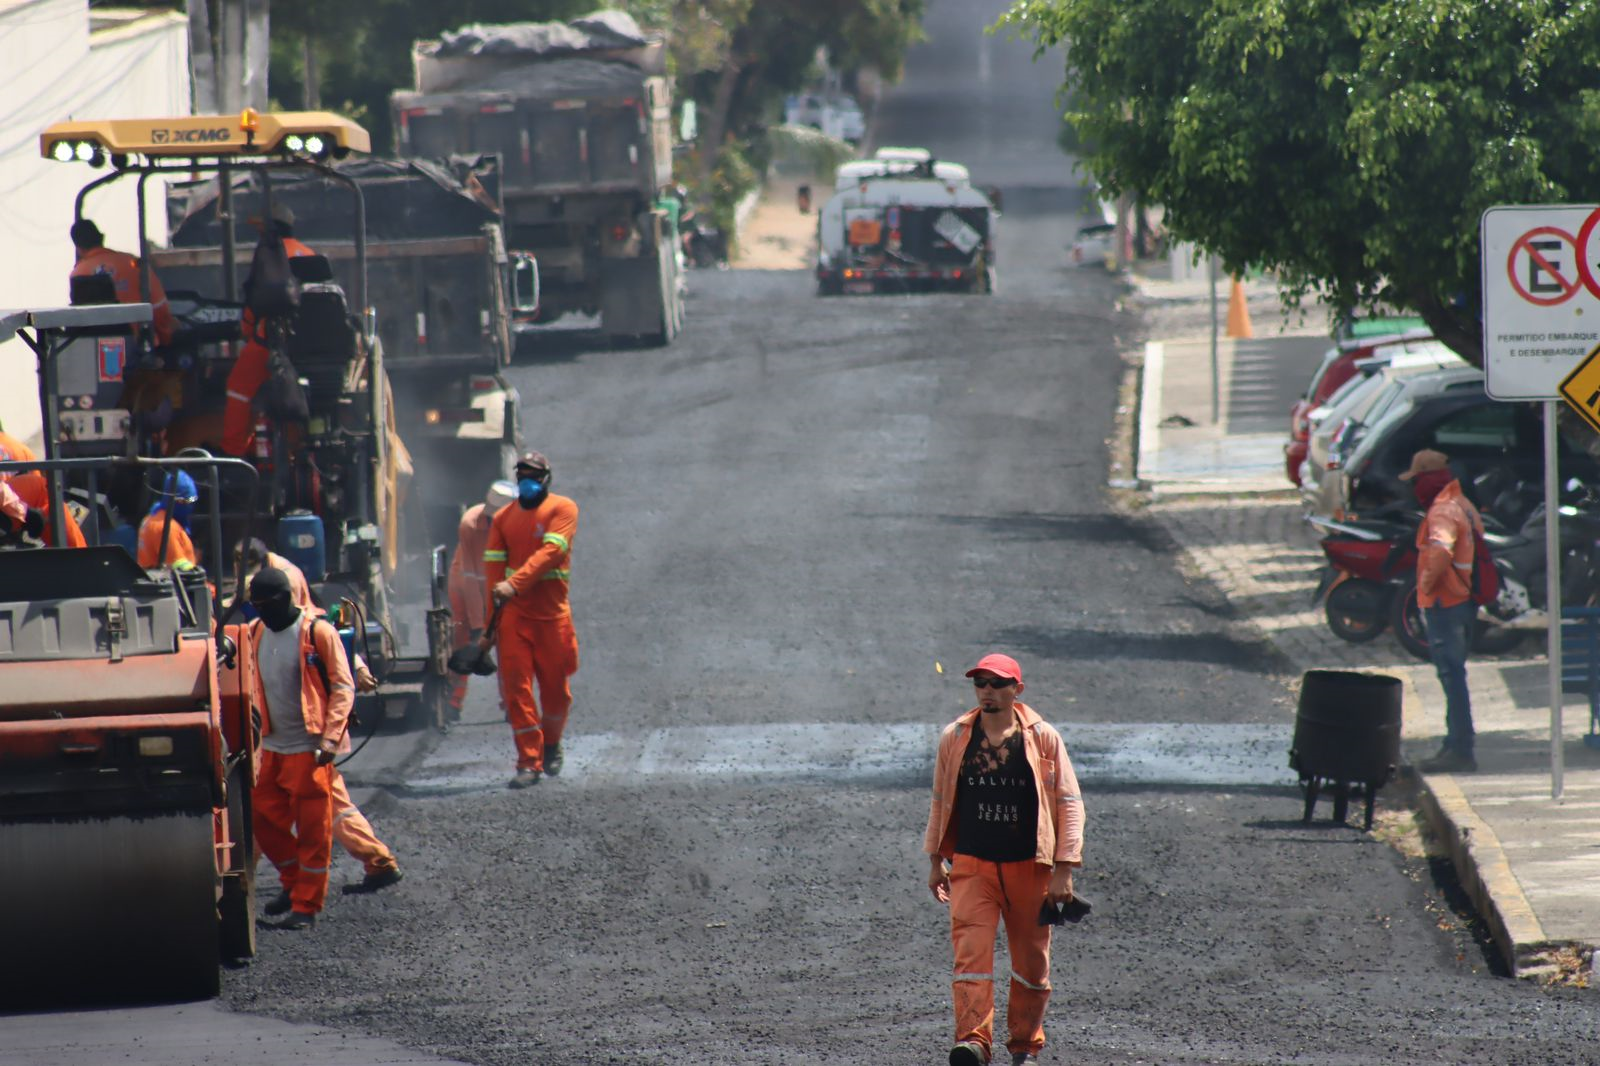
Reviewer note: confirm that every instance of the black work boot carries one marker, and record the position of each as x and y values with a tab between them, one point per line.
373	881
553	759
278	904
298	920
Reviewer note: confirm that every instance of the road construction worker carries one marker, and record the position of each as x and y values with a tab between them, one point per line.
469	596
1005	831
249	371
93	257
178	495
33	489
526	566
305	692
351	829
17	517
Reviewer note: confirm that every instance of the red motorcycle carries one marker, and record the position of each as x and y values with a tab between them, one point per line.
1370	562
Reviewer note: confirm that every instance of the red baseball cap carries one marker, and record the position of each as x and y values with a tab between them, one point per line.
999	665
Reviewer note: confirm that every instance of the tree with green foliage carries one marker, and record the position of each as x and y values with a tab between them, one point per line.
1348	145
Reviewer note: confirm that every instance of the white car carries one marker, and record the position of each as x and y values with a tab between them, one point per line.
1093	245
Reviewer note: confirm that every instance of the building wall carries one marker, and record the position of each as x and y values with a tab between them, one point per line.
56	63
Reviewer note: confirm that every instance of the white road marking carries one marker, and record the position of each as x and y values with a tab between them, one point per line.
480	755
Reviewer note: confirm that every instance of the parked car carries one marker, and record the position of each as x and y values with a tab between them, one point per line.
1362	401
835	114
1449	411
1338	366
1093	245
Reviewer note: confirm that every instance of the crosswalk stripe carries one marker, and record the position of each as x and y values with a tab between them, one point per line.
1178	754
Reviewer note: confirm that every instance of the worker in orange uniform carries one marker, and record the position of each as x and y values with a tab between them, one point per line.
33	489
1008	820
249	371
527	565
17	517
93	257
305	692
351	829
469	595
178	496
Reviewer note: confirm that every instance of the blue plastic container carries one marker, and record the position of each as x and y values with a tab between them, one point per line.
302	541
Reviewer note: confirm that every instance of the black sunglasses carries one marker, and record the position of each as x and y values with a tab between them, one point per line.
992	682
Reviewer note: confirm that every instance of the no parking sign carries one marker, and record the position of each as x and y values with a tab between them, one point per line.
1541	296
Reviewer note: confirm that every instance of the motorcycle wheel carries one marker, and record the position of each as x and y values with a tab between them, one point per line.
1355	610
1496	640
1409	629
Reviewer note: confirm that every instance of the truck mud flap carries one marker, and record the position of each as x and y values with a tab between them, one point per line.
631	297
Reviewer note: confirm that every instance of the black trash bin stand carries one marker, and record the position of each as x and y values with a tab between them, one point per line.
1346	734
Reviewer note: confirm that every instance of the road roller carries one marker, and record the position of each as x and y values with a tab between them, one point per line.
126	758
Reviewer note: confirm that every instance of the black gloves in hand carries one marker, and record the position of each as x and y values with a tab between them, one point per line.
34	523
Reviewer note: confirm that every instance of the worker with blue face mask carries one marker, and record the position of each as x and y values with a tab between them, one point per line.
169	518
527	567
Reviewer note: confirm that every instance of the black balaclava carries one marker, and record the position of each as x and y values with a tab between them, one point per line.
532	487
269	595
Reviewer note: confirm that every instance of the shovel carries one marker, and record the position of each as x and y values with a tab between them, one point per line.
473	658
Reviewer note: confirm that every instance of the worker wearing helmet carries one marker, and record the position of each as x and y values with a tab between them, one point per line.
93	257
178	496
305	692
469	596
250	371
33	490
351	829
527	565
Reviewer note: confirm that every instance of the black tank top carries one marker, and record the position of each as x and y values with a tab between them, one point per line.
997	803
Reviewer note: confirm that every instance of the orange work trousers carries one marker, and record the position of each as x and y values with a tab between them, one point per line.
542	651
354	833
982	894
249	373
294	824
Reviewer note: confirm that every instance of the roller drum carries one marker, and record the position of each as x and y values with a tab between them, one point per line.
118	909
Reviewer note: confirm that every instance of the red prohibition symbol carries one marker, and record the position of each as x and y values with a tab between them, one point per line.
1547	284
1584	271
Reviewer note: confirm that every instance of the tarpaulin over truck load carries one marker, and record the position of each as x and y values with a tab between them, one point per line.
598	32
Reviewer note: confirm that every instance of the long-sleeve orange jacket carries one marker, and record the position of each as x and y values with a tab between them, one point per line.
1061	815
466	567
532	549
325	711
1445	549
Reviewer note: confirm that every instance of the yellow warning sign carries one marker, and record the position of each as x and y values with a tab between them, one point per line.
1581	388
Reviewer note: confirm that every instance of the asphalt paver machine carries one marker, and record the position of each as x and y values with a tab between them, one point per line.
332	484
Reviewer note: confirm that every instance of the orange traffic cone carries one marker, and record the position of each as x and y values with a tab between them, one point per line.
1239	312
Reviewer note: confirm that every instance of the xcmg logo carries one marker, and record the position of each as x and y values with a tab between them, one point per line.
210	136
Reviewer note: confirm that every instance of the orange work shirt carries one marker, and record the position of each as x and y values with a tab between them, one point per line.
466	569
33	488
124	271
1445	549
180	549
532	549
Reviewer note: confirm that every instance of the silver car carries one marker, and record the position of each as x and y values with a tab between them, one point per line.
1360	402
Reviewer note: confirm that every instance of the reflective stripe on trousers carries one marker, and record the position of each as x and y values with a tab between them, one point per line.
982	895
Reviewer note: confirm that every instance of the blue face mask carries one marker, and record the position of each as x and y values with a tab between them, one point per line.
529	492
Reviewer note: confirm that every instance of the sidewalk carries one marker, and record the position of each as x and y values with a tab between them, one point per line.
777	236
1530	863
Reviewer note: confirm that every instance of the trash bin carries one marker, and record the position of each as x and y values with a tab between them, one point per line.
1346	737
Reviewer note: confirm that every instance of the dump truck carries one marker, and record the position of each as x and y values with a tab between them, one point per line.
334	477
580	115
905	222
127	756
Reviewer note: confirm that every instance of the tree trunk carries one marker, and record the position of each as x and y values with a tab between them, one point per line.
1461	333
721	104
312	94
202	57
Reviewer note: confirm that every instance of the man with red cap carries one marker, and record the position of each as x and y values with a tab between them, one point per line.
1005	831
527	564
1446	554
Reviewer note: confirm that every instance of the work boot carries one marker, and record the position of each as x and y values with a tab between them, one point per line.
373	881
553	759
278	904
1024	1058
1449	761
969	1053
296	920
524	779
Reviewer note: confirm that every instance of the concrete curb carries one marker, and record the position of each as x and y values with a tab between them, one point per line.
1485	874
744	209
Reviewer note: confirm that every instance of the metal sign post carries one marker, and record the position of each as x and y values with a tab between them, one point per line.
1541	330
1552	585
